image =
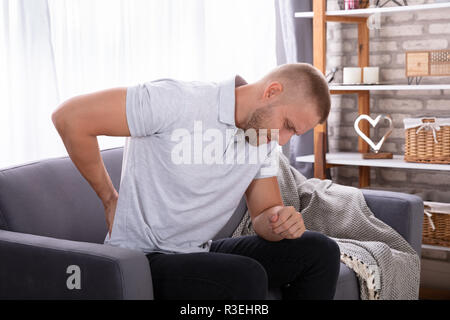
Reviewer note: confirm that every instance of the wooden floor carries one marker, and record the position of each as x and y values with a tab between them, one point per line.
433	294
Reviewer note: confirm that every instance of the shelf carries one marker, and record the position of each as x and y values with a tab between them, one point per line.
435	247
391	87
321	16
363	13
355	159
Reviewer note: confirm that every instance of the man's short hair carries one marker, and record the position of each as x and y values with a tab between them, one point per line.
303	80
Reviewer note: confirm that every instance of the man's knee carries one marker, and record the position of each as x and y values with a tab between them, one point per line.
323	248
333	252
328	251
248	278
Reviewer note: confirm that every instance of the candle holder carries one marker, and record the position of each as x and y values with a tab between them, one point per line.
352	75
371	75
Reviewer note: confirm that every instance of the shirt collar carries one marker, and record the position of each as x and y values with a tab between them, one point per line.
227	99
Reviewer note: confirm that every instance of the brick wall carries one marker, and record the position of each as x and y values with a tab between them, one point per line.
399	32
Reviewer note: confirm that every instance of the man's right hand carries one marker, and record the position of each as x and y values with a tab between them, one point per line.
110	211
262	224
79	121
288	223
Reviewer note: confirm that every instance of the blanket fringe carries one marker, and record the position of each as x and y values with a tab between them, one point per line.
369	275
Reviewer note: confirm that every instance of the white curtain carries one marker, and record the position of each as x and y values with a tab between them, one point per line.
51	50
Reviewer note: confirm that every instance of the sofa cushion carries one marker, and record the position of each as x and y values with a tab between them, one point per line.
347	286
51	198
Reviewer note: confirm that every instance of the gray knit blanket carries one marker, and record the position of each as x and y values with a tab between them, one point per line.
387	267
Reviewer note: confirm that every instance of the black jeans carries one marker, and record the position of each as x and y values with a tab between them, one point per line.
245	267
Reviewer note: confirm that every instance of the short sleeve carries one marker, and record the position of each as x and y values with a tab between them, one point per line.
270	166
152	107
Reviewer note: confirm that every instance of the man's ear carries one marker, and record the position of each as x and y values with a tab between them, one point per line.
274	89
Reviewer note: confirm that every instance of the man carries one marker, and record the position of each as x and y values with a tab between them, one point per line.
172	209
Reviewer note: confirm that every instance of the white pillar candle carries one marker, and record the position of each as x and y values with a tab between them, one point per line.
371	74
352	75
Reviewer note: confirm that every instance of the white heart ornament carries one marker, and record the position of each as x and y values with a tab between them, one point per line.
374	123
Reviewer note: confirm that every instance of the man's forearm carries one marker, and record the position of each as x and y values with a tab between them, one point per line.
261	224
85	154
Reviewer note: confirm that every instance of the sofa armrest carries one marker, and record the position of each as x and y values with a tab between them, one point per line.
36	267
403	212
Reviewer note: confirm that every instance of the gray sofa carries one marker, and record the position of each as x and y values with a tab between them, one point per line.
50	219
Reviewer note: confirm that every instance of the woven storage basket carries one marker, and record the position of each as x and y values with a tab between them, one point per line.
436	224
427	140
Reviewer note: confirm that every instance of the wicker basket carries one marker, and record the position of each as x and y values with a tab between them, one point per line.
428	141
436	224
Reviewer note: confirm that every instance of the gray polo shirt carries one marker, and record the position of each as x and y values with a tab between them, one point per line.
185	167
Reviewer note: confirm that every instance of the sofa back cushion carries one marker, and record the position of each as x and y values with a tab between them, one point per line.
51	198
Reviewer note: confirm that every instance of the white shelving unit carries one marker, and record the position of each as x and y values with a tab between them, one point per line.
429	246
390	87
363	13
355	159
